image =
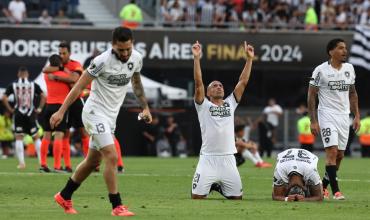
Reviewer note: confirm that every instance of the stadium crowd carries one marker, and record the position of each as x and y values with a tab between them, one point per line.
43	12
278	14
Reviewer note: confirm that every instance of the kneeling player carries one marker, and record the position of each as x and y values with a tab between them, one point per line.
296	177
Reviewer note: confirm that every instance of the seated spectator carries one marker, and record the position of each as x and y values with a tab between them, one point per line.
341	18
17	11
164	14
176	12
328	15
131	15
45	19
247	149
365	17
73	8
250	18
191	13
207	14
61	18
220	13
55	6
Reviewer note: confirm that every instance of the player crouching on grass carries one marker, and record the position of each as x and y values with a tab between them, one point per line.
296	177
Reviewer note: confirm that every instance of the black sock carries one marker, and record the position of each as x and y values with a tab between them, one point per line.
325	181
115	199
332	173
68	190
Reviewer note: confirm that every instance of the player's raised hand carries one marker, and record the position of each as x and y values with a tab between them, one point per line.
315	128
249	50
196	49
55	119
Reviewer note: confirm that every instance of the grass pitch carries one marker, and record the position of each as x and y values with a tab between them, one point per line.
156	188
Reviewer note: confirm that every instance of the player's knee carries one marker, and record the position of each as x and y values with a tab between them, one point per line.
111	158
195	196
234	197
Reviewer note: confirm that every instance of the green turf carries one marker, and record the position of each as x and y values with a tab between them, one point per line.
160	189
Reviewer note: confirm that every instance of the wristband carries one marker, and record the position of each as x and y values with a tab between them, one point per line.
286	199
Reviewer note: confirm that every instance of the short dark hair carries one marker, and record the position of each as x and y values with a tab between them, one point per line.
55	60
22	69
238	128
122	34
65	44
333	44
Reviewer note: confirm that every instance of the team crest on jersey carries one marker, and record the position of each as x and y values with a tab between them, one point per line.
119	80
346	74
130	66
221	111
338	85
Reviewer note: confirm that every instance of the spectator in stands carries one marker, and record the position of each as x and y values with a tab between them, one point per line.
191	13
17	11
341	18
73	8
61	18
328	15
311	20
45	19
220	13
55	7
164	14
206	14
264	14
131	15
250	18
176	12
365	17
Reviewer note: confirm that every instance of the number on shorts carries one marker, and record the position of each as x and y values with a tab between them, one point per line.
326	132
100	128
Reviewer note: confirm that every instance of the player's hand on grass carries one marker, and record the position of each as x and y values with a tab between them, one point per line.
299	198
315	128
55	119
291	198
196	49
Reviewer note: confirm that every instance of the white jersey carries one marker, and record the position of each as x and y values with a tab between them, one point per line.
333	87
296	160
217	126
108	89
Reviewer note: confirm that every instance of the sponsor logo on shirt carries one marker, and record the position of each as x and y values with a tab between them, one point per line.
338	85
220	111
119	80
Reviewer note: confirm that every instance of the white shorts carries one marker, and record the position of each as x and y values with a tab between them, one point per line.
334	129
99	129
220	169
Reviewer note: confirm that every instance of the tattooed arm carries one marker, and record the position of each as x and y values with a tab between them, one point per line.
311	103
138	89
353	99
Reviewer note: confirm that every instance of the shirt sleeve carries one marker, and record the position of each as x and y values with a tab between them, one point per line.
9	90
232	101
139	66
96	66
353	79
316	77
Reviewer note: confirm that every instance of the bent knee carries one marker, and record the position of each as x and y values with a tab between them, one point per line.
195	196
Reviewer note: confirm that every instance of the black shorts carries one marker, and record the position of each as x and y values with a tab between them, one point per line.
75	114
24	124
50	109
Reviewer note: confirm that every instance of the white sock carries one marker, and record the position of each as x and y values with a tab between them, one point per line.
38	148
258	157
248	155
19	151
